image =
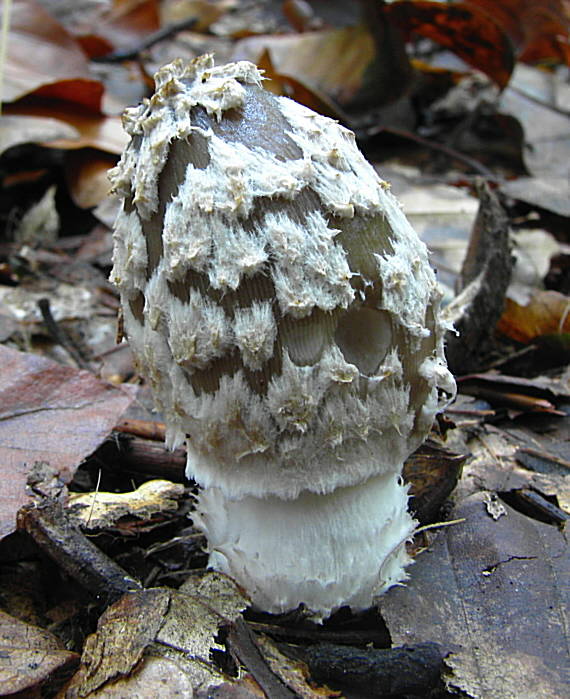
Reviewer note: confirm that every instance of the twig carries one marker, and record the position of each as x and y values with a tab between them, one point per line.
60	336
545	456
437	525
433	145
146	43
6	15
48	524
147	429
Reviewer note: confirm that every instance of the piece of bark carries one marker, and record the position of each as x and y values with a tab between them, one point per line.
483	283
378	673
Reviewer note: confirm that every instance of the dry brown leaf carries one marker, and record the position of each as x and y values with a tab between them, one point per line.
29	656
491	34
51	414
42	58
87	176
205	12
124	26
537	28
151	635
547	313
331	62
89	130
16	130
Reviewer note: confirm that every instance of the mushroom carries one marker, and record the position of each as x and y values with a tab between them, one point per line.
285	314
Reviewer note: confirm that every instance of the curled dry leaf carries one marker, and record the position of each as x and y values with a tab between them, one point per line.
466	30
77	128
99	510
547	313
537	29
491	35
330	62
86	173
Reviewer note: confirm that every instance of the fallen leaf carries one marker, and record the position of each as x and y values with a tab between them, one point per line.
537	28
126	24
16	130
547	313
545	192
43	58
463	28
533	251
495	592
48	413
157	634
87	176
29	656
89	130
331	62
490	35
546	132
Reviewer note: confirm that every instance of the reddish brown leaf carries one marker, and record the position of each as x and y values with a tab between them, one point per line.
124	26
52	414
538	30
43	57
466	30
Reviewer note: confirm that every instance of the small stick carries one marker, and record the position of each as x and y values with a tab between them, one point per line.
149	41
49	526
59	335
147	429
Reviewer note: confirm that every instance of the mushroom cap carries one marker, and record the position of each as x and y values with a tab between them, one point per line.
274	294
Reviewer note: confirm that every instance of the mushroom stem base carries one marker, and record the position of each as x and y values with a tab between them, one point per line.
323	551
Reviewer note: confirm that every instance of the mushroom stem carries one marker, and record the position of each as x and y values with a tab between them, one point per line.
326	551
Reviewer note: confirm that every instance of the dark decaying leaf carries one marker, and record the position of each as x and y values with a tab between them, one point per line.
51	414
496	592
432	472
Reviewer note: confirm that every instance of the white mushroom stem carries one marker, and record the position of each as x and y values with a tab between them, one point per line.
325	551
